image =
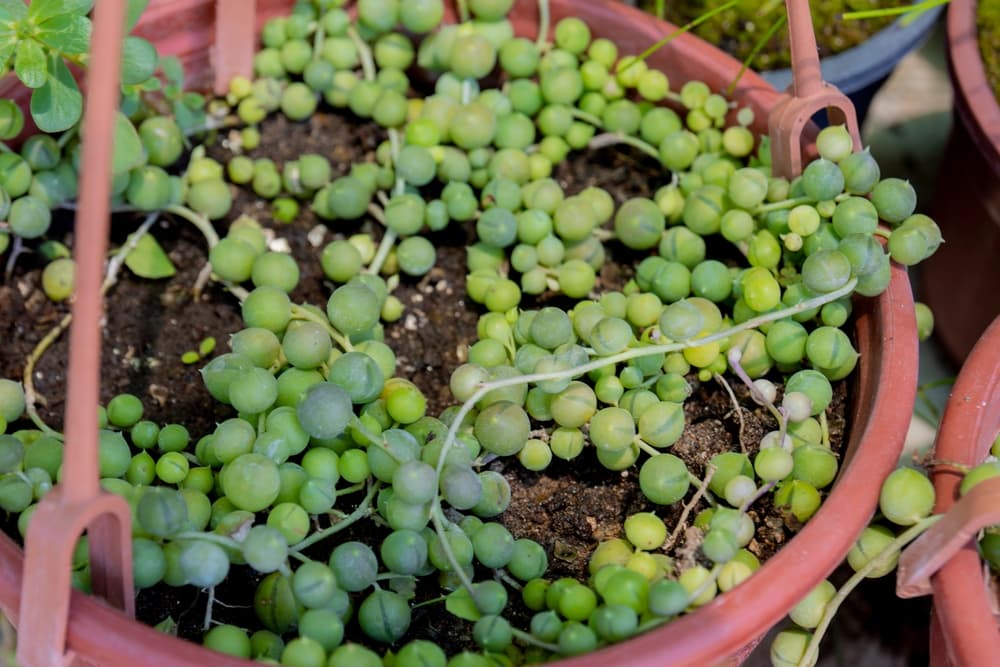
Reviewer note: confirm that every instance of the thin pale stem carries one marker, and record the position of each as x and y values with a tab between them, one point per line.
365	54
528	638
207	623
389	238
579	114
880	560
110	279
544	21
300	313
614	138
761	43
736	406
361	511
16	248
441	528
761	492
199	221
909	11
688	507
685	28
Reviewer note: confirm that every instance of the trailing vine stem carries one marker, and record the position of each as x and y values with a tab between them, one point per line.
437	514
612	138
199	221
710	471
110	279
364	53
390	235
633	353
909	12
892	549
761	43
544	20
362	510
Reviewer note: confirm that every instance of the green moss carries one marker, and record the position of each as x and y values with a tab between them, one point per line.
988	22
738	29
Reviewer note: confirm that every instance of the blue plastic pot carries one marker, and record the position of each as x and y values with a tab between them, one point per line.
860	71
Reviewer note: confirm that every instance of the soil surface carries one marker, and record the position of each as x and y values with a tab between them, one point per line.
568	509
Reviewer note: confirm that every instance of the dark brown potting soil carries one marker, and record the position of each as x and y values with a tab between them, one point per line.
568	508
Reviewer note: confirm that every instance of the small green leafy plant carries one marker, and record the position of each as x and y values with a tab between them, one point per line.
41	40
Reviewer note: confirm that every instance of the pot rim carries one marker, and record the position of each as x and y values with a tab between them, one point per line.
969	424
886	336
974	99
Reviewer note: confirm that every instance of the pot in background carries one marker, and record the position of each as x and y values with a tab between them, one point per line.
964	630
960	282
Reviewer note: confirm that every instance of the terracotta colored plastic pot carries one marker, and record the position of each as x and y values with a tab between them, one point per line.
966	632
960	281
727	628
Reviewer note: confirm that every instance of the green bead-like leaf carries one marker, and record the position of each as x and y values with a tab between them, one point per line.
30	65
138	60
129	152
41	11
173	70
58	104
67	33
148	260
460	604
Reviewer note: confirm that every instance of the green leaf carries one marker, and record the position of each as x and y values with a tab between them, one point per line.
138	60
58	104
12	10
188	119
134	11
8	43
173	70
51	250
148	260
193	100
68	34
206	346
42	10
131	101
167	626
29	64
151	84
460	603
129	152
